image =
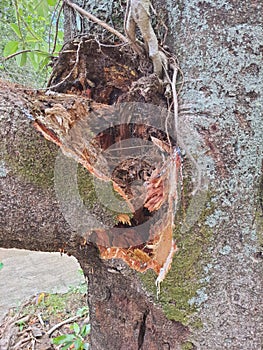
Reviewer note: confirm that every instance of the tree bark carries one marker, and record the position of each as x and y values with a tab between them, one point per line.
122	313
216	278
219	50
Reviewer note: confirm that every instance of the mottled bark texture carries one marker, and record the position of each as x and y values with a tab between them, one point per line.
219	47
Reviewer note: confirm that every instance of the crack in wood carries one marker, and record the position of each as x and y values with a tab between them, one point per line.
142	330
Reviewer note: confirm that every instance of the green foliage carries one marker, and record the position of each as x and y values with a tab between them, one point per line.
32	32
21	325
80	289
76	338
187	346
83	311
1	265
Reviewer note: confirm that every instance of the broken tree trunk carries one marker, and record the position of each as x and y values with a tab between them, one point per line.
217	270
77	114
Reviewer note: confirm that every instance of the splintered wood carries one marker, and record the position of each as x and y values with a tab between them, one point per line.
87	116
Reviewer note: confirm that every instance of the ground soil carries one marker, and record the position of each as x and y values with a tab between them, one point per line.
28	326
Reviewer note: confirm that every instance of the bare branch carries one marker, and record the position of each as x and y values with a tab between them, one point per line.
96	20
137	13
24	51
69	320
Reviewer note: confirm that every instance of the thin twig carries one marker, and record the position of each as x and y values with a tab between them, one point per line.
198	185
56	33
28	28
22	319
125	148
54	328
96	20
50	25
175	99
21	342
19	20
41	320
108	45
23	51
166	127
174	104
69	74
28	329
175	68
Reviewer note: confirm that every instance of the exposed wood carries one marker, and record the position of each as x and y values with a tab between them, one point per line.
79	113
219	50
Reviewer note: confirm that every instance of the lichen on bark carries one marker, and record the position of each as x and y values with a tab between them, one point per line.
219	52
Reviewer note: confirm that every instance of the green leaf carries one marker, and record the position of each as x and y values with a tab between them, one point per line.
43	63
58	48
60	35
85	330
1	265
76	328
31	39
32	57
58	340
18	59
16	29
52	2
86	346
67	346
23	59
10	48
20	12
42	54
78	344
82	311
62	339
42	9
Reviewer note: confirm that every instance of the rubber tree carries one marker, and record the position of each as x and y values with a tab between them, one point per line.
212	296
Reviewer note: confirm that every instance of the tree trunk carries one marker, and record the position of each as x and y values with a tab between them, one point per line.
211	298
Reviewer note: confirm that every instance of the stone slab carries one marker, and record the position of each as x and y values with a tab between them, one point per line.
26	273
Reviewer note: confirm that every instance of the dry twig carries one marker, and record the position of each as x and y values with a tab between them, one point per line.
137	14
96	20
56	32
21	342
69	320
20	52
69	74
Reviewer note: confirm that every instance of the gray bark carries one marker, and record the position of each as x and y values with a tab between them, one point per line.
219	47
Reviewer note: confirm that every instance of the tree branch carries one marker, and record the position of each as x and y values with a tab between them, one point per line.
30	218
24	51
96	20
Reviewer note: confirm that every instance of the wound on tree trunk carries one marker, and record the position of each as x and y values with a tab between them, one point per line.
95	111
